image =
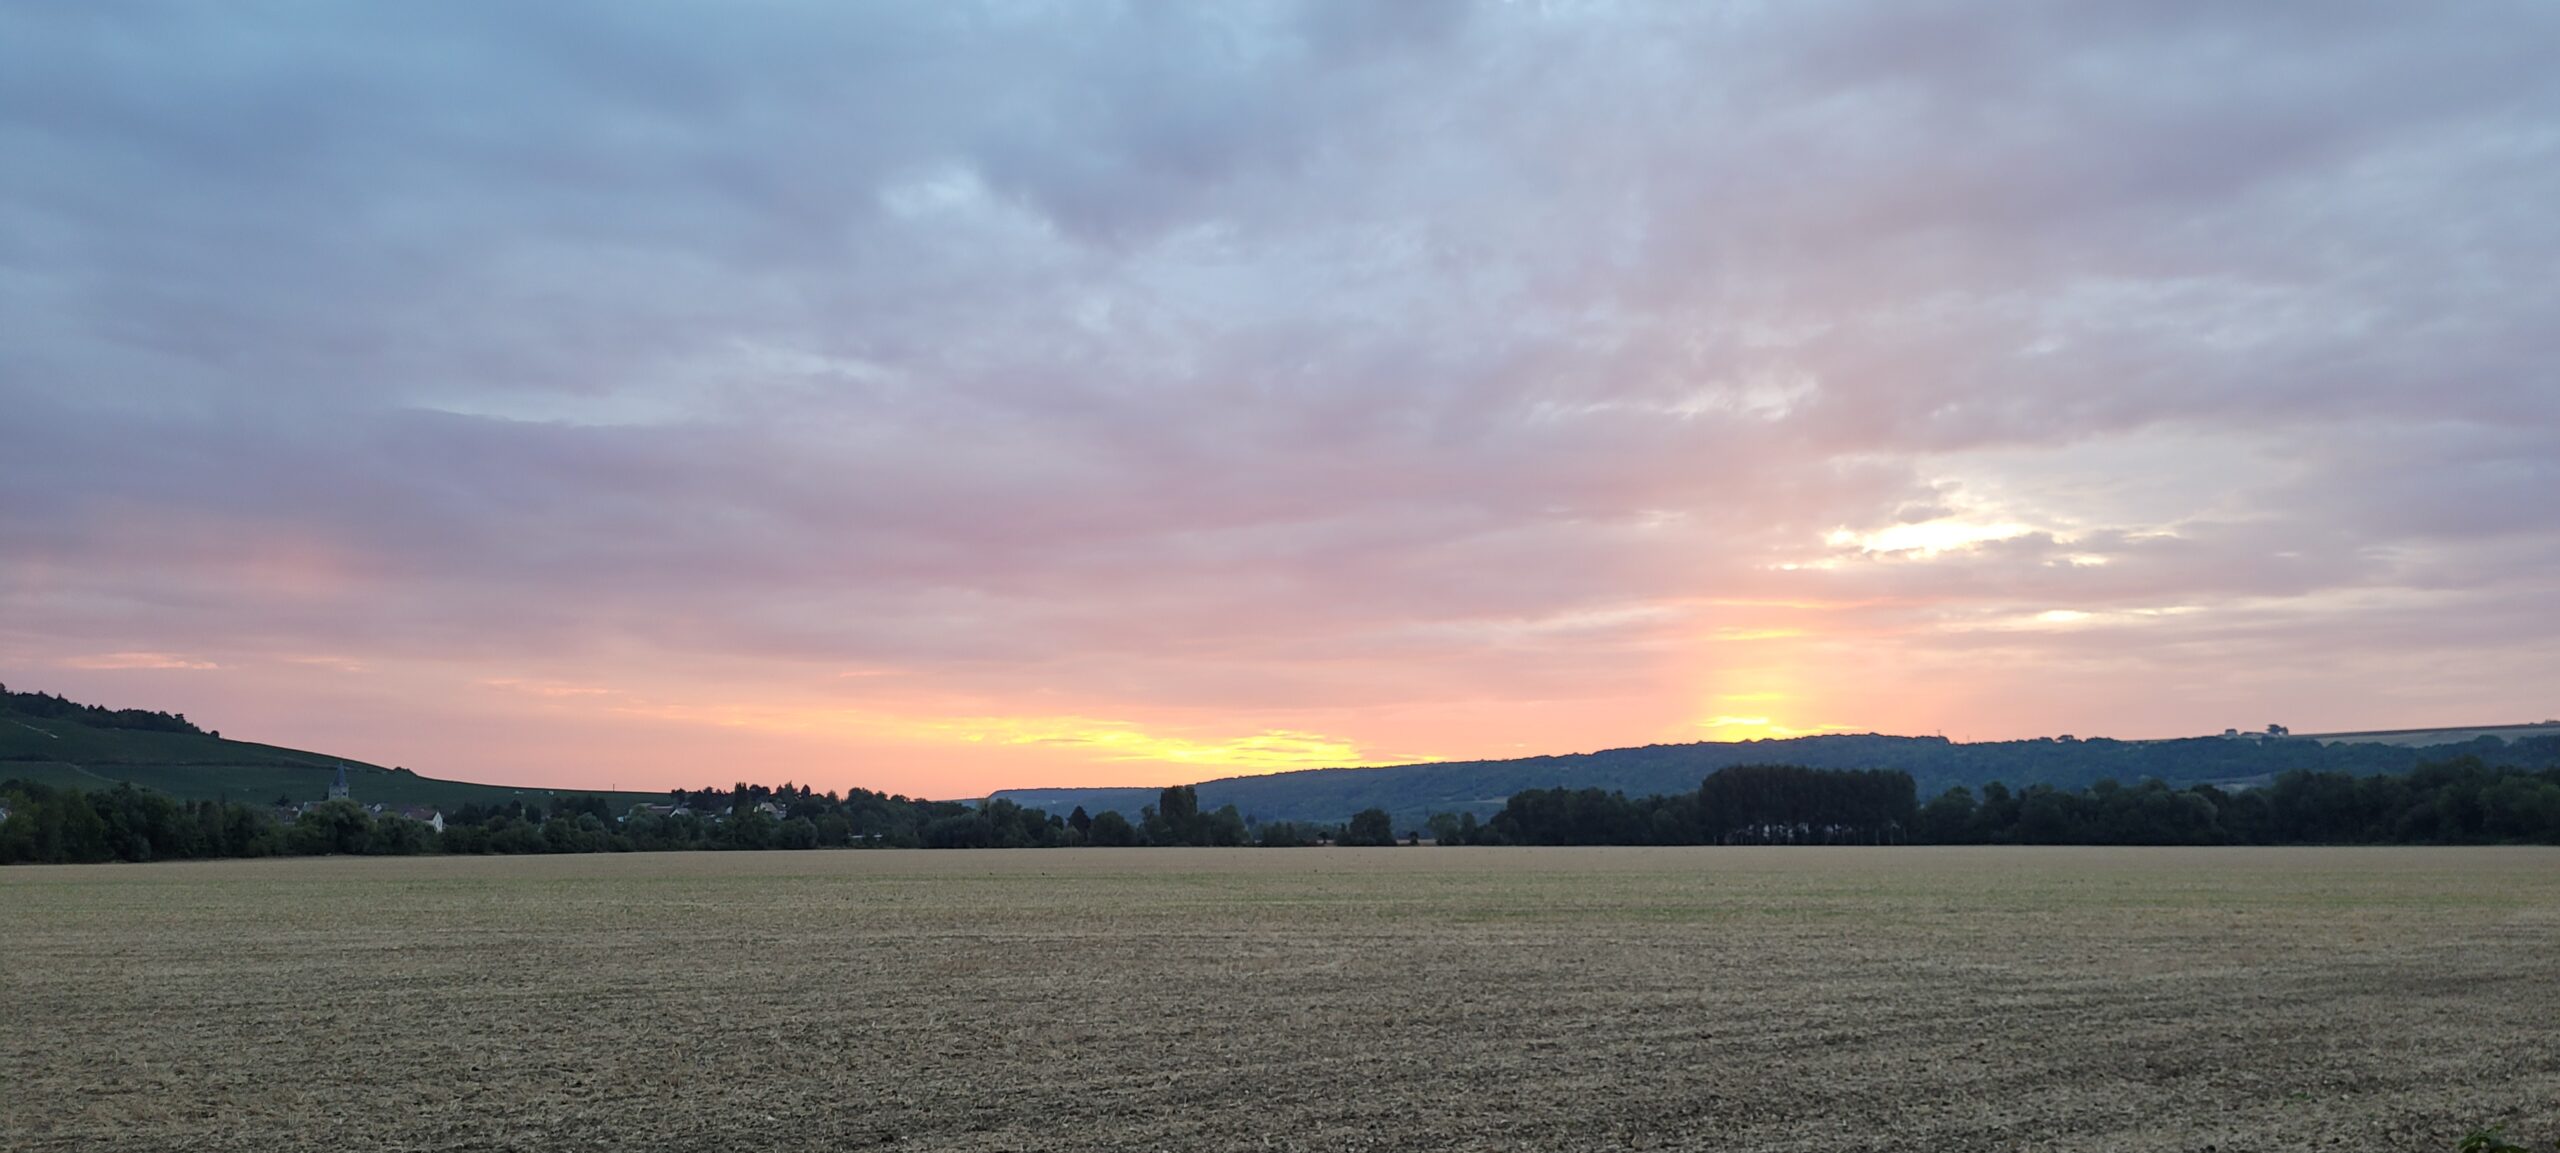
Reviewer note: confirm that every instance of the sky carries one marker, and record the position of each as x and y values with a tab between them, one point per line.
944	397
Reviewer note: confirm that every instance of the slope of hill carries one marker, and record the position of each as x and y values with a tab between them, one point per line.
63	751
2428	738
1412	792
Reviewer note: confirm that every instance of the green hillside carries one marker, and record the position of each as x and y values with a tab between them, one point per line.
1411	793
62	751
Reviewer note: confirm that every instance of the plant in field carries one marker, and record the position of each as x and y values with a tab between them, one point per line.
2493	1140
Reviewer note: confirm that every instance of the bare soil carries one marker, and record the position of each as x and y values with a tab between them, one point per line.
1412	998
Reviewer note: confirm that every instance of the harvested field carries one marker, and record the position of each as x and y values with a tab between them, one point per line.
1746	999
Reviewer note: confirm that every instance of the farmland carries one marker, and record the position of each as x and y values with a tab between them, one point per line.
1754	999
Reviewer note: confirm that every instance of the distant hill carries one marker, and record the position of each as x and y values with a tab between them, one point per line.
52	741
87	748
1413	792
2428	738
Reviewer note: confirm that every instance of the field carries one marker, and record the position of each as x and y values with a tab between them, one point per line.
1772	999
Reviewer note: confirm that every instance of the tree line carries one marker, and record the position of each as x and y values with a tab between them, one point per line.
2463	800
2460	801
51	707
46	824
1412	792
1741	805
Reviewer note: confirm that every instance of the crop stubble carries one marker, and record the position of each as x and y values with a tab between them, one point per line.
1776	999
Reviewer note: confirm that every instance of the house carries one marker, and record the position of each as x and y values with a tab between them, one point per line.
423	814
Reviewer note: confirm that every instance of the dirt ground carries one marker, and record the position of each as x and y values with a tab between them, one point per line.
1410	998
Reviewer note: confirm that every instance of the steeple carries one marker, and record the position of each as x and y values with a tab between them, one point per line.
338	788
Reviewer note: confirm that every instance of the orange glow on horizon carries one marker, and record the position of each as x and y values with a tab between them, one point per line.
1233	750
1726	727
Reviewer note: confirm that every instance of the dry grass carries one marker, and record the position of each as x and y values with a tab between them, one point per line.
1914	999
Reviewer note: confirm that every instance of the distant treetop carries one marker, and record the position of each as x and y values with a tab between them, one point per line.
52	707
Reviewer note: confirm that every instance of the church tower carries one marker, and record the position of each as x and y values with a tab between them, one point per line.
338	788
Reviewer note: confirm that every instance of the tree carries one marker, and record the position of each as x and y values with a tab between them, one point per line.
1224	828
1178	803
749	830
1111	830
1178	814
1370	827
397	837
1283	835
17	836
1792	804
1948	820
961	831
339	826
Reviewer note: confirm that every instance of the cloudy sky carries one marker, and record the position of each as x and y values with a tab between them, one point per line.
947	396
